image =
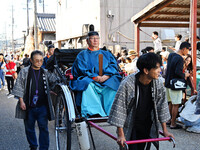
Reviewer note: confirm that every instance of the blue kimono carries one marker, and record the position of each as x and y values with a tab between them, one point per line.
85	67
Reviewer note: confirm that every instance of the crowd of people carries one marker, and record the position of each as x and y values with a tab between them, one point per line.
10	67
135	105
176	66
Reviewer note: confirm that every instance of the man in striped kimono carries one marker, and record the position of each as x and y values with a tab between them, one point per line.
32	89
140	103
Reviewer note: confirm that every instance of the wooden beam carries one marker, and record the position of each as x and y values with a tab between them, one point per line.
175	13
170	19
137	38
194	35
174	25
59	44
152	9
75	43
179	6
48	32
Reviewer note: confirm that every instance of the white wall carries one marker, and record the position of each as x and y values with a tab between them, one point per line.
72	14
123	11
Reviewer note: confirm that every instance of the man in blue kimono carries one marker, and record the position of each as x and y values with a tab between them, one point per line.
95	93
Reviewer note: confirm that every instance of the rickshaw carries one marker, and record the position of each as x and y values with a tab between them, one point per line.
67	115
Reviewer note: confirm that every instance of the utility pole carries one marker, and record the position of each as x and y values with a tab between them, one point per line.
35	25
27	7
6	39
43	6
12	30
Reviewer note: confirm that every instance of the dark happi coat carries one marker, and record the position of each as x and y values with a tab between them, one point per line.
20	90
122	112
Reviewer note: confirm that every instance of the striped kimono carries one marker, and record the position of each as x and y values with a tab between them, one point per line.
19	90
123	109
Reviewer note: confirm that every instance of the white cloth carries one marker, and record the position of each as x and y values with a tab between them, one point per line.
177	46
187	116
131	67
195	129
157	45
165	54
189	110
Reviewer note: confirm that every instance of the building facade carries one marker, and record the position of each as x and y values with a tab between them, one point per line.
111	18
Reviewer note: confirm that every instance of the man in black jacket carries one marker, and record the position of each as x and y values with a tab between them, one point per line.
175	70
26	60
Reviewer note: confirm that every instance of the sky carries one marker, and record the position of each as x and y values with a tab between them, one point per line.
20	16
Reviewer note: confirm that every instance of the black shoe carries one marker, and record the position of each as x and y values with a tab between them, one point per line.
176	127
168	123
94	116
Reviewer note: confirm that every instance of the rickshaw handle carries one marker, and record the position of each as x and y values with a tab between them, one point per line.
135	141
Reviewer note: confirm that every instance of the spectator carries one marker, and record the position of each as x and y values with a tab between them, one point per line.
139	103
26	60
132	54
124	54
122	58
128	60
188	67
11	68
164	54
175	70
2	67
197	110
127	65
148	50
96	91
122	63
188	117
17	62
157	43
32	89
117	55
51	49
178	43
198	43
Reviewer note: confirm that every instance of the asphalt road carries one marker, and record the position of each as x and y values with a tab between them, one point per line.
12	135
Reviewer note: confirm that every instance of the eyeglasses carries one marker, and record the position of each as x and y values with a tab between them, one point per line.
38	60
92	38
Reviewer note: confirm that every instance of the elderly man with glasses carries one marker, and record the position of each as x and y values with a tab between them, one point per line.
32	89
94	92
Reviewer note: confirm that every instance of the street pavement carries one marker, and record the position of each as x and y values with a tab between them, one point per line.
12	135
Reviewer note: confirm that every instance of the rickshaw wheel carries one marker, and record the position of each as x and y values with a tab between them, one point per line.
62	124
